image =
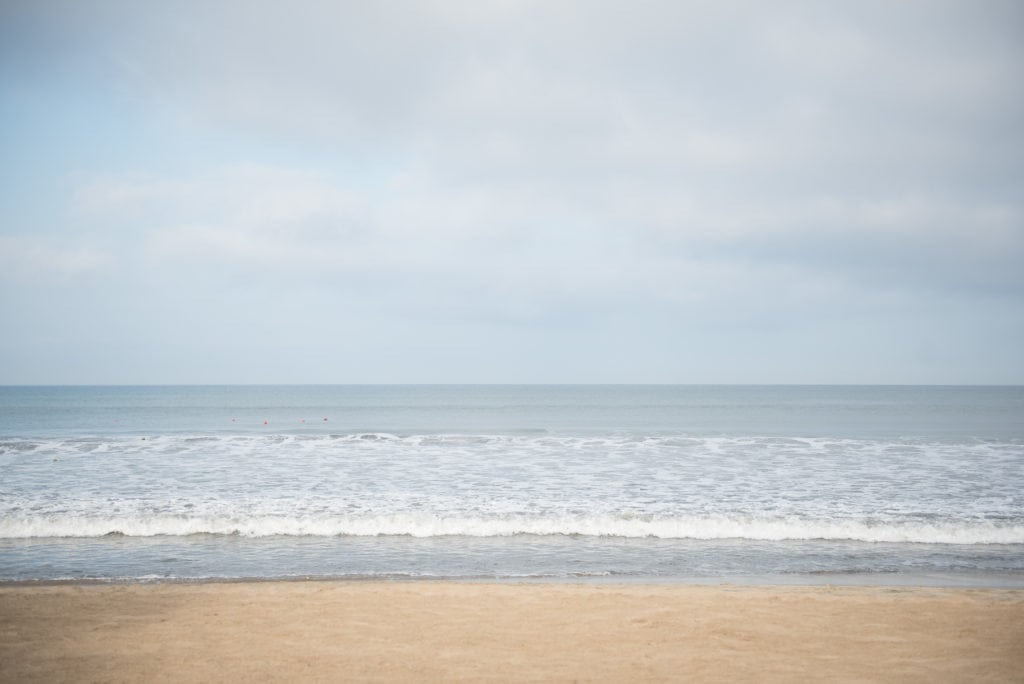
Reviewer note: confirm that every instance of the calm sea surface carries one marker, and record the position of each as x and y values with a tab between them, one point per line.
667	483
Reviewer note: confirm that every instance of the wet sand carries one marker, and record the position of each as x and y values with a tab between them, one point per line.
447	631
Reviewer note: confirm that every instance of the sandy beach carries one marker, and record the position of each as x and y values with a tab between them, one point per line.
430	631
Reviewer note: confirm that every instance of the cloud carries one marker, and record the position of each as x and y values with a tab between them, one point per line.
260	215
583	167
481	254
33	260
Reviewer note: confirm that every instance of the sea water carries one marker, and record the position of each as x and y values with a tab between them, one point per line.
663	483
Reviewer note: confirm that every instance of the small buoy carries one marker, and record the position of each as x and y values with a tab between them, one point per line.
302	420
325	420
264	422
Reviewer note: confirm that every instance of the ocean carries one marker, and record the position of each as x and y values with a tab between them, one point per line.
774	484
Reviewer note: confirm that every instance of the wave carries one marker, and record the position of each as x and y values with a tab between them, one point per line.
426	525
177	442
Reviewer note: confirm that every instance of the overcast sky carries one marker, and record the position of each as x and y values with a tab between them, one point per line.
349	192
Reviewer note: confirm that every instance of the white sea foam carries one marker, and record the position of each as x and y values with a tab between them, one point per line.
426	525
630	485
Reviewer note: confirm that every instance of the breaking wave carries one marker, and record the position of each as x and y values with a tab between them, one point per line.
426	525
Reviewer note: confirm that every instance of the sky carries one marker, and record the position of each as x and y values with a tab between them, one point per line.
521	192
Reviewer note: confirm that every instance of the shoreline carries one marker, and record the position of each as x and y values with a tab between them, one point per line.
938	580
367	630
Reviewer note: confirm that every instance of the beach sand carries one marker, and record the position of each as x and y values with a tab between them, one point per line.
430	631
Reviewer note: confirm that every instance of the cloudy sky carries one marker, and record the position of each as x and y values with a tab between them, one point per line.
336	192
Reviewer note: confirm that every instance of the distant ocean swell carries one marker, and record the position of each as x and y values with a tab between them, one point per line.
428	525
